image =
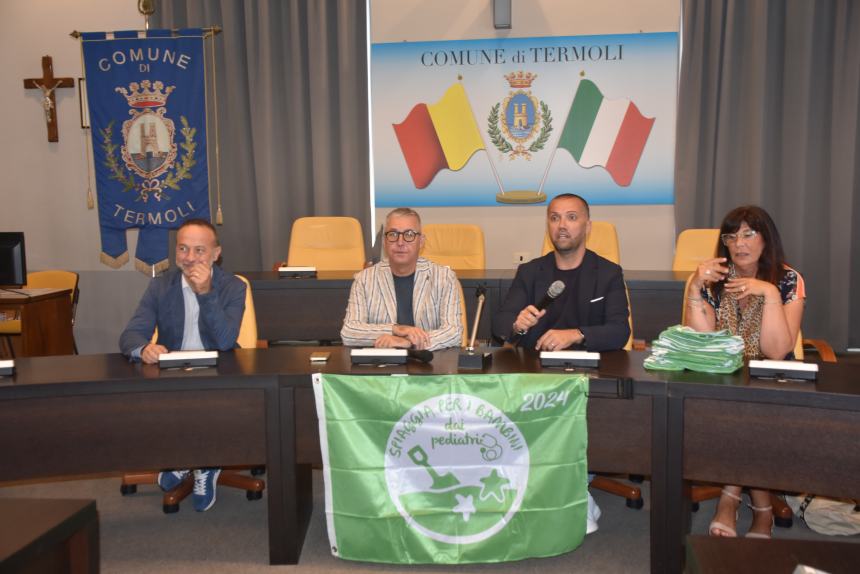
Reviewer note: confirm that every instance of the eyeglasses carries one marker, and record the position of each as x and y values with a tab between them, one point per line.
408	236
747	235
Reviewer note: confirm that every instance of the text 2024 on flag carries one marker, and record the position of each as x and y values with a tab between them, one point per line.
453	468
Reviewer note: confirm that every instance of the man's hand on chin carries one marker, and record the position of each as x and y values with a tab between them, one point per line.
199	276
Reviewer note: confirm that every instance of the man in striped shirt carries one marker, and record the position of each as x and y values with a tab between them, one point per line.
406	301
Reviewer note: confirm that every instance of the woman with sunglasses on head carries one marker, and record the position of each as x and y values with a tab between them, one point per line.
750	291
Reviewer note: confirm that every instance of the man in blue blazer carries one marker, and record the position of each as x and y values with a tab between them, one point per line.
195	306
591	313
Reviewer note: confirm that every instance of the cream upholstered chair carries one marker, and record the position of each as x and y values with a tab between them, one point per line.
457	245
629	345
822	347
693	246
49	279
327	243
248	329
603	240
252	486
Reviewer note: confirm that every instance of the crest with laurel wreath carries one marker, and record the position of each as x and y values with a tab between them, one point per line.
149	149
520	124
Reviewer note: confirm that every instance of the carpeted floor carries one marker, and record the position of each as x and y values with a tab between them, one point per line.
136	537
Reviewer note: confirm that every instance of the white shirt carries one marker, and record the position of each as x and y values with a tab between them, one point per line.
191	340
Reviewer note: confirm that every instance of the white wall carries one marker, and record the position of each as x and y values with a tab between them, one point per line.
44	185
647	233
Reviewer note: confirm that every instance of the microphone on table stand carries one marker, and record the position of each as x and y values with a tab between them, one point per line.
470	358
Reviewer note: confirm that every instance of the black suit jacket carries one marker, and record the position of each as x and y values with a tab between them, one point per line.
601	303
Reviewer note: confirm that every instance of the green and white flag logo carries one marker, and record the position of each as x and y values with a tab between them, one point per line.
455	468
473	500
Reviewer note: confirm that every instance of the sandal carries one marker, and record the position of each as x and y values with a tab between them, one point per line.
762	535
717	528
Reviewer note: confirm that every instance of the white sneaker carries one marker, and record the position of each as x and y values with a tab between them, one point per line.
592	516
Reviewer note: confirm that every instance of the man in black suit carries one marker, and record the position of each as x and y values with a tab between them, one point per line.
591	313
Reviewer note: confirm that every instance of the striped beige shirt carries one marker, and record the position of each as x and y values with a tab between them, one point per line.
372	308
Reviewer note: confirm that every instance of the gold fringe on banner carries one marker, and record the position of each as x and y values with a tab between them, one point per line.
148	269
114	262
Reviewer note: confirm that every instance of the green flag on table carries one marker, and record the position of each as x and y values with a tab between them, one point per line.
453	468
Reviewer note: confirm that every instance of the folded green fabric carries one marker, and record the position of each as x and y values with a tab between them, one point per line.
678	348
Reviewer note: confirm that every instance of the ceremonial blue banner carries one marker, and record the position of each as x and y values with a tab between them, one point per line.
147	104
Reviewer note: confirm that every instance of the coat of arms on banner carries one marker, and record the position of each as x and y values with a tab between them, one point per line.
519	119
149	149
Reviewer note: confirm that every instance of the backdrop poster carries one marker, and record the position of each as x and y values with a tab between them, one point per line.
518	120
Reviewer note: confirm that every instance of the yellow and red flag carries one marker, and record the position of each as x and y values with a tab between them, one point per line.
439	136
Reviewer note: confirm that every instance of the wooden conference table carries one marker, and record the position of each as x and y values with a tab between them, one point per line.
797	436
303	309
99	413
49	536
46	321
713	555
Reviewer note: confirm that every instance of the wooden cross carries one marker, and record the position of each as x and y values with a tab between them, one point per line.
48	83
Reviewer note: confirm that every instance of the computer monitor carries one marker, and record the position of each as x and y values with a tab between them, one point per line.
13	262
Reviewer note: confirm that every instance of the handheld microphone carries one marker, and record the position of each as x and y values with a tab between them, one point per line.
552	293
555	289
420	355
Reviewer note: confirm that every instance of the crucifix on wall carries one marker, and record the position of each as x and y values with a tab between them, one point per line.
48	83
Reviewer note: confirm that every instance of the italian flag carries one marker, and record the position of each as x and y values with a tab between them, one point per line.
608	133
439	136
